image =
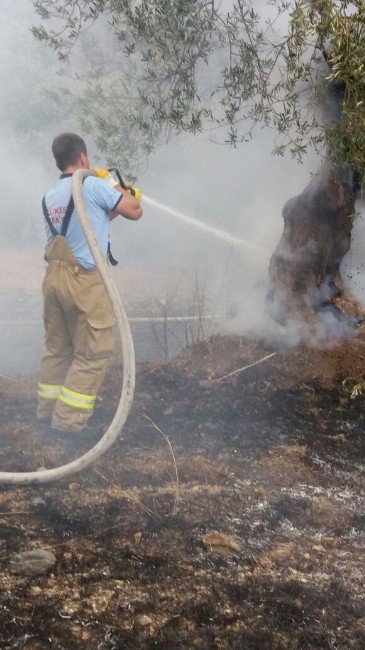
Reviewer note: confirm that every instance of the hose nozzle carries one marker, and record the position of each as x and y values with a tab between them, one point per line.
134	191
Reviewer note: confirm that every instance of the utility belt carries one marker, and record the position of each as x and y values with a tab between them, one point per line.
65	225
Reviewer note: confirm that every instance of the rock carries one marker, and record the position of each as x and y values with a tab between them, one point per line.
221	543
35	591
207	384
32	563
74	487
76	631
282	551
168	411
341	437
38	501
330	541
189	569
143	396
299	450
69	607
143	620
264	562
137	538
79	633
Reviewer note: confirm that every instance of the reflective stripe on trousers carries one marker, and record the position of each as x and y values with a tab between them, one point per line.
49	391
70	397
77	400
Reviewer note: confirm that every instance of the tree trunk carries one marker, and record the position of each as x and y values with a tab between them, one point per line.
305	267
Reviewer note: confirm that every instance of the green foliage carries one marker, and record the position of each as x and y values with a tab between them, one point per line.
347	68
191	66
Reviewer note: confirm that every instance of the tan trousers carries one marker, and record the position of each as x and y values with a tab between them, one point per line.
79	339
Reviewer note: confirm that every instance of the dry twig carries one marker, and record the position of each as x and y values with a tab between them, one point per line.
236	372
21	512
177	483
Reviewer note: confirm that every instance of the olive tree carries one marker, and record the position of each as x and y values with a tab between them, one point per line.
294	67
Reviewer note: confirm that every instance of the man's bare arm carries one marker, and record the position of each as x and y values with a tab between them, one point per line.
128	207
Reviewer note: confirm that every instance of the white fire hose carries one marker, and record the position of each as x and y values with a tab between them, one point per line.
125	401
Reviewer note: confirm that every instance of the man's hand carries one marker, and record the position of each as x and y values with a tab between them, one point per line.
137	194
105	175
134	191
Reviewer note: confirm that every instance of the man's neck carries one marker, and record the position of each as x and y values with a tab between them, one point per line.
72	169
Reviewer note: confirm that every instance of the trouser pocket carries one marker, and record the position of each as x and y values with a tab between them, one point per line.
99	338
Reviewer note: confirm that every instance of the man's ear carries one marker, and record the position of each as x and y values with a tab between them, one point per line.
85	160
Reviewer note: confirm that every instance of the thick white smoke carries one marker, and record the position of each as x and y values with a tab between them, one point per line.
241	191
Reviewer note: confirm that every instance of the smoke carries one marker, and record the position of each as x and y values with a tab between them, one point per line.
240	191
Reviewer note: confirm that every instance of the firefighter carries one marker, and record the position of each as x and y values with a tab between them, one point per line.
78	316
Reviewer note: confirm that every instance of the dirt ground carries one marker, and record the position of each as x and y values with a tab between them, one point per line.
272	456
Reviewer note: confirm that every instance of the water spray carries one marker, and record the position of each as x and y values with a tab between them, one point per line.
191	221
216	232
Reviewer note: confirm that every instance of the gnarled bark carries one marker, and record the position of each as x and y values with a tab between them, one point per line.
305	267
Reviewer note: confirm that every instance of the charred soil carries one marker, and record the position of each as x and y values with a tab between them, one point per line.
272	457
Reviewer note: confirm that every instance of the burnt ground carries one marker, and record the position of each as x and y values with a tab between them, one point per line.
273	456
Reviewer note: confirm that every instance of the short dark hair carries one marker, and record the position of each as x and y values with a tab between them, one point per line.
67	148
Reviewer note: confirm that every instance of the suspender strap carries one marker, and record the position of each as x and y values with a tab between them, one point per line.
65	224
67	217
111	259
46	216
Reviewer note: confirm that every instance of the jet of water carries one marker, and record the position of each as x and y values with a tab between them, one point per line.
231	239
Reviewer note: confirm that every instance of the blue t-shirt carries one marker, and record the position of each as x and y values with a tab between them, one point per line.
99	198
